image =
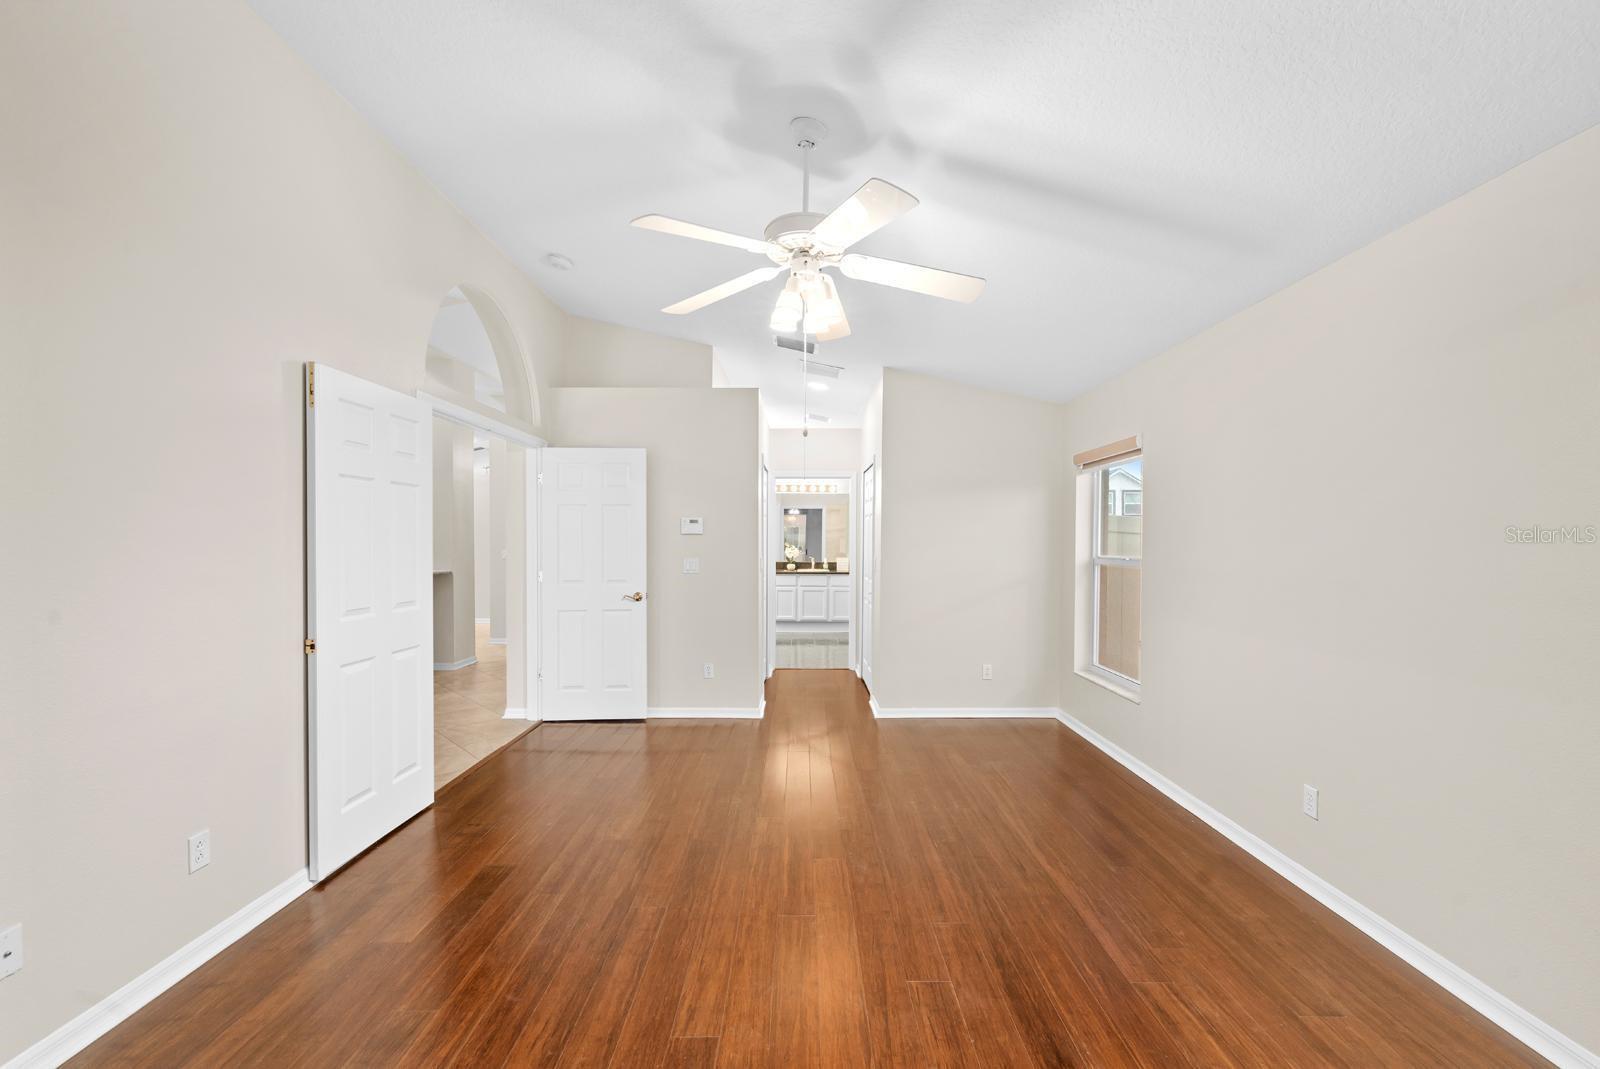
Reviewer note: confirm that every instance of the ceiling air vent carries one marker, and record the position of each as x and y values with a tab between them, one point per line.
783	341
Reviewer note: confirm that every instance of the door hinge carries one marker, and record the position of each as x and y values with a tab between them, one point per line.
541	576
311	389
541	479
311	646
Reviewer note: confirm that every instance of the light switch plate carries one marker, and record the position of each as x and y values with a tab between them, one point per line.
691	525
1308	801
10	950
691	566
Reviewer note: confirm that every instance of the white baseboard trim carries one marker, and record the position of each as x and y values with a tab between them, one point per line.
439	666
872	703
516	714
1524	1026
497	642
703	714
121	1004
962	714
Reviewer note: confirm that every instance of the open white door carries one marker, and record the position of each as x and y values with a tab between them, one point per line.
769	554
369	603
869	565
592	584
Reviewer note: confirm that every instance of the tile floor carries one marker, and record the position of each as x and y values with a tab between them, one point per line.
813	649
469	707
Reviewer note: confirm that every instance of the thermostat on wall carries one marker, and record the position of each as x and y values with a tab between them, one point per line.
691	525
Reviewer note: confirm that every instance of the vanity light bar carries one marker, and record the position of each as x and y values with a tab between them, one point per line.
812	486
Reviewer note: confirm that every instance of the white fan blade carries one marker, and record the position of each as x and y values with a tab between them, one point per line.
876	204
699	233
930	280
727	289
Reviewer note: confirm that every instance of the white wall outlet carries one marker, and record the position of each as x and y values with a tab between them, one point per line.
199	850
988	671
10	950
1308	801
710	670
691	525
691	566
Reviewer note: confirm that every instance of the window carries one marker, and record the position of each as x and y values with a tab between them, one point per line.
1118	560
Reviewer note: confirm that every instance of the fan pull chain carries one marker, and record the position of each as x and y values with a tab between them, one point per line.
805	385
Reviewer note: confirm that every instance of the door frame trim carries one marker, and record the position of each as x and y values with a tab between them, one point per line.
775	528
469	416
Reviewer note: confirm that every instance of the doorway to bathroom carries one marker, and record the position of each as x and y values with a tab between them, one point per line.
812	539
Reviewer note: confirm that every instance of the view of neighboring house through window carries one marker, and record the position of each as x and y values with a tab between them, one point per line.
1118	555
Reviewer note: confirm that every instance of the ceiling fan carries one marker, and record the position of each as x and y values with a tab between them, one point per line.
805	242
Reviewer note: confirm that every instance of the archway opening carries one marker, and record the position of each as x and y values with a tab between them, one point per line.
480	662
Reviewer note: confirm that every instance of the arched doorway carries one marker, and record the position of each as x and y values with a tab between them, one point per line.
480	547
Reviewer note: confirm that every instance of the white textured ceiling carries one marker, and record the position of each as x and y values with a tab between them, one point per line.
1124	174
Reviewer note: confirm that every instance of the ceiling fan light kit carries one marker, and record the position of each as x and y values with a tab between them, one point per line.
807	243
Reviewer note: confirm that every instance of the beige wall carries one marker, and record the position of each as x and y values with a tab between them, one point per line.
481	598
1373	633
189	216
503	485
700	461
604	354
971	566
454	544
827	451
871	454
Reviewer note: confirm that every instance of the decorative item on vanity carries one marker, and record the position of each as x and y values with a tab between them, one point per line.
806	242
792	554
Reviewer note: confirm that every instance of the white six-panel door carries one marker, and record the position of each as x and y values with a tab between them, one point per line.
869	563
592	584
766	560
369	598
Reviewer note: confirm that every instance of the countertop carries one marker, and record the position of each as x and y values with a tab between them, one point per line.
804	570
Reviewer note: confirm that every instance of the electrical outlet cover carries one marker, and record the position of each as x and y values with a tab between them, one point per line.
199	850
1308	801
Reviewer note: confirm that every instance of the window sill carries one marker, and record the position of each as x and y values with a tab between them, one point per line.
1122	688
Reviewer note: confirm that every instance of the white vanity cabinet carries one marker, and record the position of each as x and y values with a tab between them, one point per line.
813	597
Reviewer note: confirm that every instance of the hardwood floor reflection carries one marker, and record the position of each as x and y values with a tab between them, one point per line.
818	888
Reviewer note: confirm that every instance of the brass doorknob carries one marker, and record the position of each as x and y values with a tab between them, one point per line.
635	596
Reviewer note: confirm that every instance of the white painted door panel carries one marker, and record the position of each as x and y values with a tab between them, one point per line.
868	554
592	563
765	561
369	597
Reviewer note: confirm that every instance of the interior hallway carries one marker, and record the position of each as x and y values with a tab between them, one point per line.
469	706
814	888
